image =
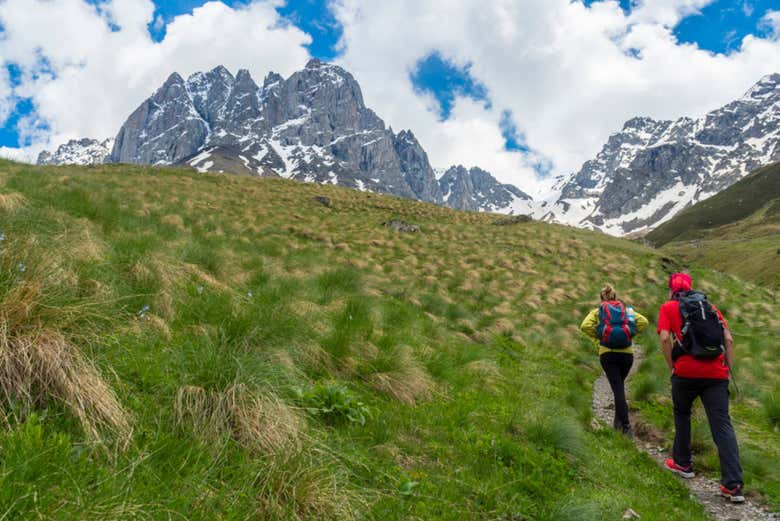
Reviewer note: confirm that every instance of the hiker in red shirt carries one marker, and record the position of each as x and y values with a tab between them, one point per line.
700	368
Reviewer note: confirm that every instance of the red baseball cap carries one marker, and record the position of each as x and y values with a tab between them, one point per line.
680	282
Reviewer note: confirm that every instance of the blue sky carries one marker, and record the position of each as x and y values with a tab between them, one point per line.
721	25
719	28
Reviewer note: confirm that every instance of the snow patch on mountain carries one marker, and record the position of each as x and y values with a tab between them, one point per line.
78	152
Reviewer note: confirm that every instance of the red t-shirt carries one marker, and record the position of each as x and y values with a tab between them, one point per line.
686	366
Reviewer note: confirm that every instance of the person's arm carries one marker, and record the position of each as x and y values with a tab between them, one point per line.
729	340
641	322
590	324
666	347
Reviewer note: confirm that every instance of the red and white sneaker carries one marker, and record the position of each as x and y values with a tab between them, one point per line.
733	494
686	472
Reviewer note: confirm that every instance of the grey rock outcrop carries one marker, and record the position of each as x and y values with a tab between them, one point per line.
477	190
165	129
401	226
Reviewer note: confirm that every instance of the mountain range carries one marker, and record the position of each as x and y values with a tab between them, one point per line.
315	127
651	170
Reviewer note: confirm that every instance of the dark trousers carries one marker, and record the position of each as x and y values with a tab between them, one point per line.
616	366
714	396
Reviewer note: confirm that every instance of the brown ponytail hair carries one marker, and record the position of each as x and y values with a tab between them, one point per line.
608	293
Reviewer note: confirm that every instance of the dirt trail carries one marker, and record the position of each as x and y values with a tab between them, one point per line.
703	489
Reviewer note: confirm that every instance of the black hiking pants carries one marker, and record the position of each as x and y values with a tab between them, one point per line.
616	366
714	396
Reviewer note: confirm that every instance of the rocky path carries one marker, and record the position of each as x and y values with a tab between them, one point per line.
703	489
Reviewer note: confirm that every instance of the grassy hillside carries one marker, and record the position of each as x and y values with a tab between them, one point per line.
756	196
177	345
736	231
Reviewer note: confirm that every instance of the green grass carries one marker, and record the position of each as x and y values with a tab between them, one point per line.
277	359
736	231
758	192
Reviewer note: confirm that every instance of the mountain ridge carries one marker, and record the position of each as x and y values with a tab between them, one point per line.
737	231
313	126
652	169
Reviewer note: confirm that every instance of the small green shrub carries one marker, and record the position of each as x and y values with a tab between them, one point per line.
334	403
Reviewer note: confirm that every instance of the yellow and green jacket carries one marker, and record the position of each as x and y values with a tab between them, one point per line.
591	322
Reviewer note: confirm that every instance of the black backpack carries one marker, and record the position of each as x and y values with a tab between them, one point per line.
702	330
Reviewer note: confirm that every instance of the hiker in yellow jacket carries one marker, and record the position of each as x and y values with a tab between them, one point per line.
612	326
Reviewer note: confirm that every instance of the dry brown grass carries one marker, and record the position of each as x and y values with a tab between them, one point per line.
257	420
408	386
11	202
296	486
408	382
83	244
41	365
37	364
173	220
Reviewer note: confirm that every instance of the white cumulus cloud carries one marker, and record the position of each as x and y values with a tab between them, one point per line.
86	68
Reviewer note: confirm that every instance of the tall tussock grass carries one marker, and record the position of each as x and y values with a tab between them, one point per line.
41	365
38	363
255	419
298	485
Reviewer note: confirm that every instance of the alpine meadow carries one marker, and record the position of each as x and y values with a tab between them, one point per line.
412	260
191	345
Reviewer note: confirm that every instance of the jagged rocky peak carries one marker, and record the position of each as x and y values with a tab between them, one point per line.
652	169
271	79
418	172
477	190
78	151
766	87
168	119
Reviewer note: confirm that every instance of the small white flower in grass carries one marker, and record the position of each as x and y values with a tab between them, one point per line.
144	310
249	294
200	290
2	236
21	267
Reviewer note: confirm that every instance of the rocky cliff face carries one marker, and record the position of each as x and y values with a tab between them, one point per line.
78	151
651	170
474	189
313	126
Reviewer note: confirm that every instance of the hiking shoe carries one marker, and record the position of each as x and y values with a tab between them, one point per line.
686	472
733	494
